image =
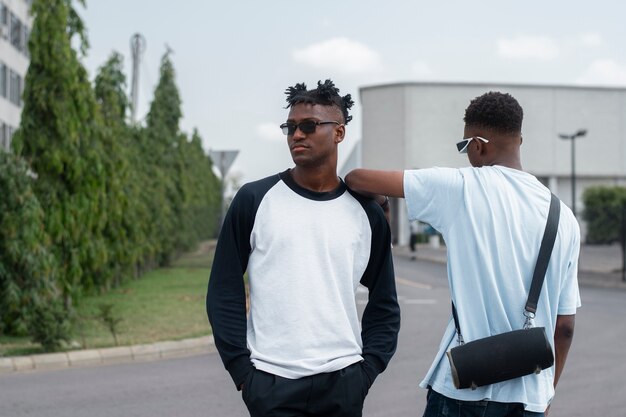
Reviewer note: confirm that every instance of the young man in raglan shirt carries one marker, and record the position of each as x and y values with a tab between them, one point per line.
492	216
306	242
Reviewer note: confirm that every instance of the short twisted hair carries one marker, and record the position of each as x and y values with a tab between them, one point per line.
326	94
495	110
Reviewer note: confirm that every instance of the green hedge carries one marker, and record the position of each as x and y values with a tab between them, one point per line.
110	200
604	214
27	267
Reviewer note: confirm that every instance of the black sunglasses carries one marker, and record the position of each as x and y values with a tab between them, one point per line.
308	126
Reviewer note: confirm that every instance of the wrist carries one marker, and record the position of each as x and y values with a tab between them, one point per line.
383	201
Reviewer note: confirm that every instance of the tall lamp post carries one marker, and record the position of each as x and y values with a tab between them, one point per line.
572	138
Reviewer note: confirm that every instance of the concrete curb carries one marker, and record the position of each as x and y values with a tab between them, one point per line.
94	357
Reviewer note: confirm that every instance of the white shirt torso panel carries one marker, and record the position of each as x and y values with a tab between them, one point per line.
306	262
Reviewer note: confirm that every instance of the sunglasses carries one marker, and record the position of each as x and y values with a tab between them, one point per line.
308	126
462	145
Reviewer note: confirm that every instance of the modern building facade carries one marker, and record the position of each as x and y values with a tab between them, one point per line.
416	125
15	26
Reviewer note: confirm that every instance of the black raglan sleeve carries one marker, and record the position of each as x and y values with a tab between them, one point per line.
381	318
226	297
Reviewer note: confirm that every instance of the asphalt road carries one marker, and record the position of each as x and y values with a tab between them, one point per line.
592	384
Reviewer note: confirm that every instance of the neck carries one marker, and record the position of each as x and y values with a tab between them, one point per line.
508	157
514	164
319	179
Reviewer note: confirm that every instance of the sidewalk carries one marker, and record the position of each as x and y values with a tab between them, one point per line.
598	266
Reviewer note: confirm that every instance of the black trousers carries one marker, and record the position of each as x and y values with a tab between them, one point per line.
334	394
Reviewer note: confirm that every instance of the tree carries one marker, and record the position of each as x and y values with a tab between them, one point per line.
122	229
27	266
58	135
161	147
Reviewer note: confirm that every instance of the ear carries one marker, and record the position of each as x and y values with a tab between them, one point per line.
481	149
340	133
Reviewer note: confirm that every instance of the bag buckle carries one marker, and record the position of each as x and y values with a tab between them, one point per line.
528	323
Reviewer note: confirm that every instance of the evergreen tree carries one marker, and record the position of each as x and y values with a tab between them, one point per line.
27	267
121	230
161	146
206	199
59	136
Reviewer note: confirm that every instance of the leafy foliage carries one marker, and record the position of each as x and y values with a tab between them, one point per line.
59	136
110	201
27	267
604	212
110	320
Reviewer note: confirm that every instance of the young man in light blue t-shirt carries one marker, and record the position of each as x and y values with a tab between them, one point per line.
492	216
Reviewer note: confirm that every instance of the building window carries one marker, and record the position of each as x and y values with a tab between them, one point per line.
26	38
4	15
16	32
3	81
15	88
4	21
5	142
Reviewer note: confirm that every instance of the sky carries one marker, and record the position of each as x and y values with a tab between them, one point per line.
234	59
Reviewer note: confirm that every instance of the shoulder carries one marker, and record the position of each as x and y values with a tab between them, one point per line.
250	194
372	209
258	187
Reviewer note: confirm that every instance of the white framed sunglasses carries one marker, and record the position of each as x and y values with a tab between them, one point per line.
462	145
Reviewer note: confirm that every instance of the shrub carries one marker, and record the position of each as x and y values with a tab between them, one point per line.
604	212
27	267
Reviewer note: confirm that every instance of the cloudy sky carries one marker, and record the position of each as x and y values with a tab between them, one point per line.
234	59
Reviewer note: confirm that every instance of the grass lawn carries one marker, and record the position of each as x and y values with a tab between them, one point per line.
164	304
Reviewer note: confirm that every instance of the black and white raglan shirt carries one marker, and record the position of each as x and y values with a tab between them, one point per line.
305	253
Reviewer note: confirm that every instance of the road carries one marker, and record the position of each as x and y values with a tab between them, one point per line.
592	384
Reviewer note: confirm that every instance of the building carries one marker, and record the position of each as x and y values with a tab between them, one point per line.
15	26
416	125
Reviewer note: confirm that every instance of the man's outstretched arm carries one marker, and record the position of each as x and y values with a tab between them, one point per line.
371	183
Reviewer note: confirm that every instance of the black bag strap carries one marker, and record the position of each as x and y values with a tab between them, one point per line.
545	251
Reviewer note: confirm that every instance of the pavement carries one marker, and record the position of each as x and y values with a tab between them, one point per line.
599	266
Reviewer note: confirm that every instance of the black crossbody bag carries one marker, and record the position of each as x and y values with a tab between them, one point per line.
512	354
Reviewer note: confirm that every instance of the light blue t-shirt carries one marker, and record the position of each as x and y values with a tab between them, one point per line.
492	220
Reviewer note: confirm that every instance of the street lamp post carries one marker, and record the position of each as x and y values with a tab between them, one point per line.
572	137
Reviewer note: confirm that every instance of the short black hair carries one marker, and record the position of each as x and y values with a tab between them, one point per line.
325	94
495	110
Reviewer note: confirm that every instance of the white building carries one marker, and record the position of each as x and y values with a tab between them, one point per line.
15	26
416	125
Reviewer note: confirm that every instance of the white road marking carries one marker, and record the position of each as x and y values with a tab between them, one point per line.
420	301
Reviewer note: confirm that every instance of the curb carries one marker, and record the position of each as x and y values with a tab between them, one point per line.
106	356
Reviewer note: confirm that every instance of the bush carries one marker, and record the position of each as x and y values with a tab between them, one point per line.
604	214
49	325
27	267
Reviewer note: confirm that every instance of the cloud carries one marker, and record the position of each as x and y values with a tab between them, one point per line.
270	131
341	55
604	72
591	40
528	48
